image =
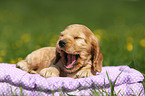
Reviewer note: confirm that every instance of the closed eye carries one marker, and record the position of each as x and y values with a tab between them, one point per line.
77	38
61	35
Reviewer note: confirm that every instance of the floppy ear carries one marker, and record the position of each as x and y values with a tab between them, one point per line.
57	57
97	56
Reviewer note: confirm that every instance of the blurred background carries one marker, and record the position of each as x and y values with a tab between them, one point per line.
27	25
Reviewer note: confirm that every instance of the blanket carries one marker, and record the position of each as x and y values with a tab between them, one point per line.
14	81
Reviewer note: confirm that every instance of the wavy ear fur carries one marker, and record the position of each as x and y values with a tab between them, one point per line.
56	58
97	56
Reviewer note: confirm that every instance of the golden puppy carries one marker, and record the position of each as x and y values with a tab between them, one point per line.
77	55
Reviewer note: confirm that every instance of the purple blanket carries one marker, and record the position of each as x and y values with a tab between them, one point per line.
14	81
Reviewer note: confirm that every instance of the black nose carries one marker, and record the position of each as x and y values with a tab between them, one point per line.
62	43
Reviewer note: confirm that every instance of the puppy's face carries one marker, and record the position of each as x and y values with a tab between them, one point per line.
75	47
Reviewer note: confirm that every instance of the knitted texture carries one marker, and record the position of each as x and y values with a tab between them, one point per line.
14	81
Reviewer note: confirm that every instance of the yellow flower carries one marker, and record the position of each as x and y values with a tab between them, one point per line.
3	53
12	61
98	36
129	47
25	37
98	33
1	59
142	42
19	59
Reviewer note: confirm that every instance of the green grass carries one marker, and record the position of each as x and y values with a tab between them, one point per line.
31	24
112	86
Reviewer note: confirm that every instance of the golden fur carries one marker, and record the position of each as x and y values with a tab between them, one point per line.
77	54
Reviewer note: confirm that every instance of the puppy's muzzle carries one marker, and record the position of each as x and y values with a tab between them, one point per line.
62	43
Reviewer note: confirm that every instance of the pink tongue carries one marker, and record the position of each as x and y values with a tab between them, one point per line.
70	60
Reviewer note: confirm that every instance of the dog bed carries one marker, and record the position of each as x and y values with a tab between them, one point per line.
14	81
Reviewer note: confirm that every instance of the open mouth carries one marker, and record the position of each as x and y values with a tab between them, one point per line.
70	60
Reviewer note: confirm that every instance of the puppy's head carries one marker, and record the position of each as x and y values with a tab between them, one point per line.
76	46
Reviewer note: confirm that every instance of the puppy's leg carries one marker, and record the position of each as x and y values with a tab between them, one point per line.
23	65
52	71
85	72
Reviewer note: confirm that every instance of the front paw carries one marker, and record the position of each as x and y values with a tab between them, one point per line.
49	72
83	74
22	65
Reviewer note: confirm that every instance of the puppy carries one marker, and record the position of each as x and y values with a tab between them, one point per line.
77	55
